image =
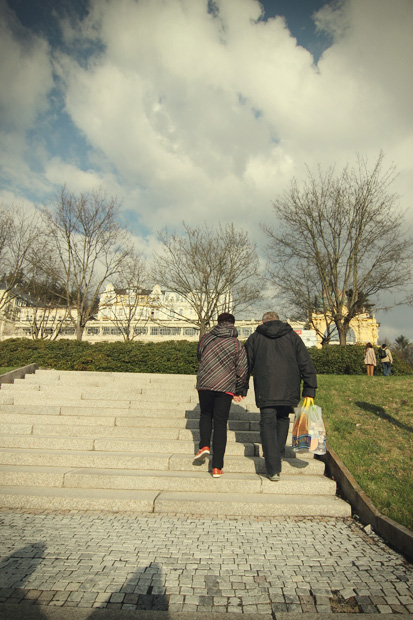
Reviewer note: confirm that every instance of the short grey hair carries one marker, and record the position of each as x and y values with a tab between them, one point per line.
270	316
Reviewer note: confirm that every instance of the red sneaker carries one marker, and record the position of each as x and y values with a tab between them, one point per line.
217	473
201	455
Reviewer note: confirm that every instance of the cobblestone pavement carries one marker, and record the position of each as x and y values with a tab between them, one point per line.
187	564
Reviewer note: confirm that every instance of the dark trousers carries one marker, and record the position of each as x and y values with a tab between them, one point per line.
386	368
274	425
215	408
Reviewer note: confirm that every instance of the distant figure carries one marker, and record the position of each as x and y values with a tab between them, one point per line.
222	376
370	359
386	359
280	360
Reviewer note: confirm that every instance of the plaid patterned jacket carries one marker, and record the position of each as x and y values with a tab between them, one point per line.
223	365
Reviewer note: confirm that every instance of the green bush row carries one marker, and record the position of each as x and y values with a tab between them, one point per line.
169	357
349	360
166	357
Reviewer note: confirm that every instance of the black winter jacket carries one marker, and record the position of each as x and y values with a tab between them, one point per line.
279	361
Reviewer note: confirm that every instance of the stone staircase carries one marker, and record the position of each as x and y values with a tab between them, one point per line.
125	442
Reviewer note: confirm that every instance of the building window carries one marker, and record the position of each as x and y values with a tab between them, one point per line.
93	331
351	336
165	331
112	331
245	331
141	331
191	331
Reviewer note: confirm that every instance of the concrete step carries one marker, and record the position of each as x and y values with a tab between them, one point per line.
68	392
194	481
116	444
135	432
88	408
263	505
219	504
126	442
74	400
303	466
105	378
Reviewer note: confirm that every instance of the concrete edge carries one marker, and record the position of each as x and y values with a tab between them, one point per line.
34	612
396	535
19	373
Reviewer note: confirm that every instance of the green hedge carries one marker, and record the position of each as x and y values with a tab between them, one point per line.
170	357
349	360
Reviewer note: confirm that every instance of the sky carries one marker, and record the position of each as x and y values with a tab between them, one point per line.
202	110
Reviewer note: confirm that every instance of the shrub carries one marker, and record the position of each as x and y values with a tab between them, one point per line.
349	360
170	357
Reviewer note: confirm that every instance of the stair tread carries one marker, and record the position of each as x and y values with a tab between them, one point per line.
113	441
201	498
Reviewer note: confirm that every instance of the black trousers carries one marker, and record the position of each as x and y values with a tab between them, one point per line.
215	408
274	425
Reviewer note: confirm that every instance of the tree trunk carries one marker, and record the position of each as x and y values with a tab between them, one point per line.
342	334
79	332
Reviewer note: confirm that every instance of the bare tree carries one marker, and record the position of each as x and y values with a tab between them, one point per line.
19	231
125	304
44	285
212	269
91	245
339	240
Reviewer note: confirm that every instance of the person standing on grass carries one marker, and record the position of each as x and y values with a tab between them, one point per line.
370	359
386	359
222	377
280	360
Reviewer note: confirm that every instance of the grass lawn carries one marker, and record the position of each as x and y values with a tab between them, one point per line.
369	424
4	369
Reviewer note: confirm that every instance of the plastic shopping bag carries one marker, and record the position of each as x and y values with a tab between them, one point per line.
309	434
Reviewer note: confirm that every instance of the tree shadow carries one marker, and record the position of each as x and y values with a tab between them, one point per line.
17	568
381	413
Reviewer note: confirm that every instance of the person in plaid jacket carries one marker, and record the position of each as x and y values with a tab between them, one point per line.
222	377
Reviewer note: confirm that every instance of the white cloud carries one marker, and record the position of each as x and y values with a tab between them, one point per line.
200	117
26	70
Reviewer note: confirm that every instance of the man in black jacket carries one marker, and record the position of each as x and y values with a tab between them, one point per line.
279	360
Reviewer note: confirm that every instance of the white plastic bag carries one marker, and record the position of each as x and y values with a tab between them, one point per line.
309	434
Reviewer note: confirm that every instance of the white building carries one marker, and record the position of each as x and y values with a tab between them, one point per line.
146	315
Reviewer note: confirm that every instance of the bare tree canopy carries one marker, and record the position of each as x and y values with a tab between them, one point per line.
213	269
91	245
19	234
127	288
339	241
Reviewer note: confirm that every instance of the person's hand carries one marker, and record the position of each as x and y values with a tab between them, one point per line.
238	399
308	402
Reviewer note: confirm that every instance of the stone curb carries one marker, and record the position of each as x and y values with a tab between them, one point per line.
19	373
396	535
35	612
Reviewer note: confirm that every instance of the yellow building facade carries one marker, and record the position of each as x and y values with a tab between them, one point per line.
363	329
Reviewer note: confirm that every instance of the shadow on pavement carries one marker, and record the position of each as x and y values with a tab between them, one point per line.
17	568
144	591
